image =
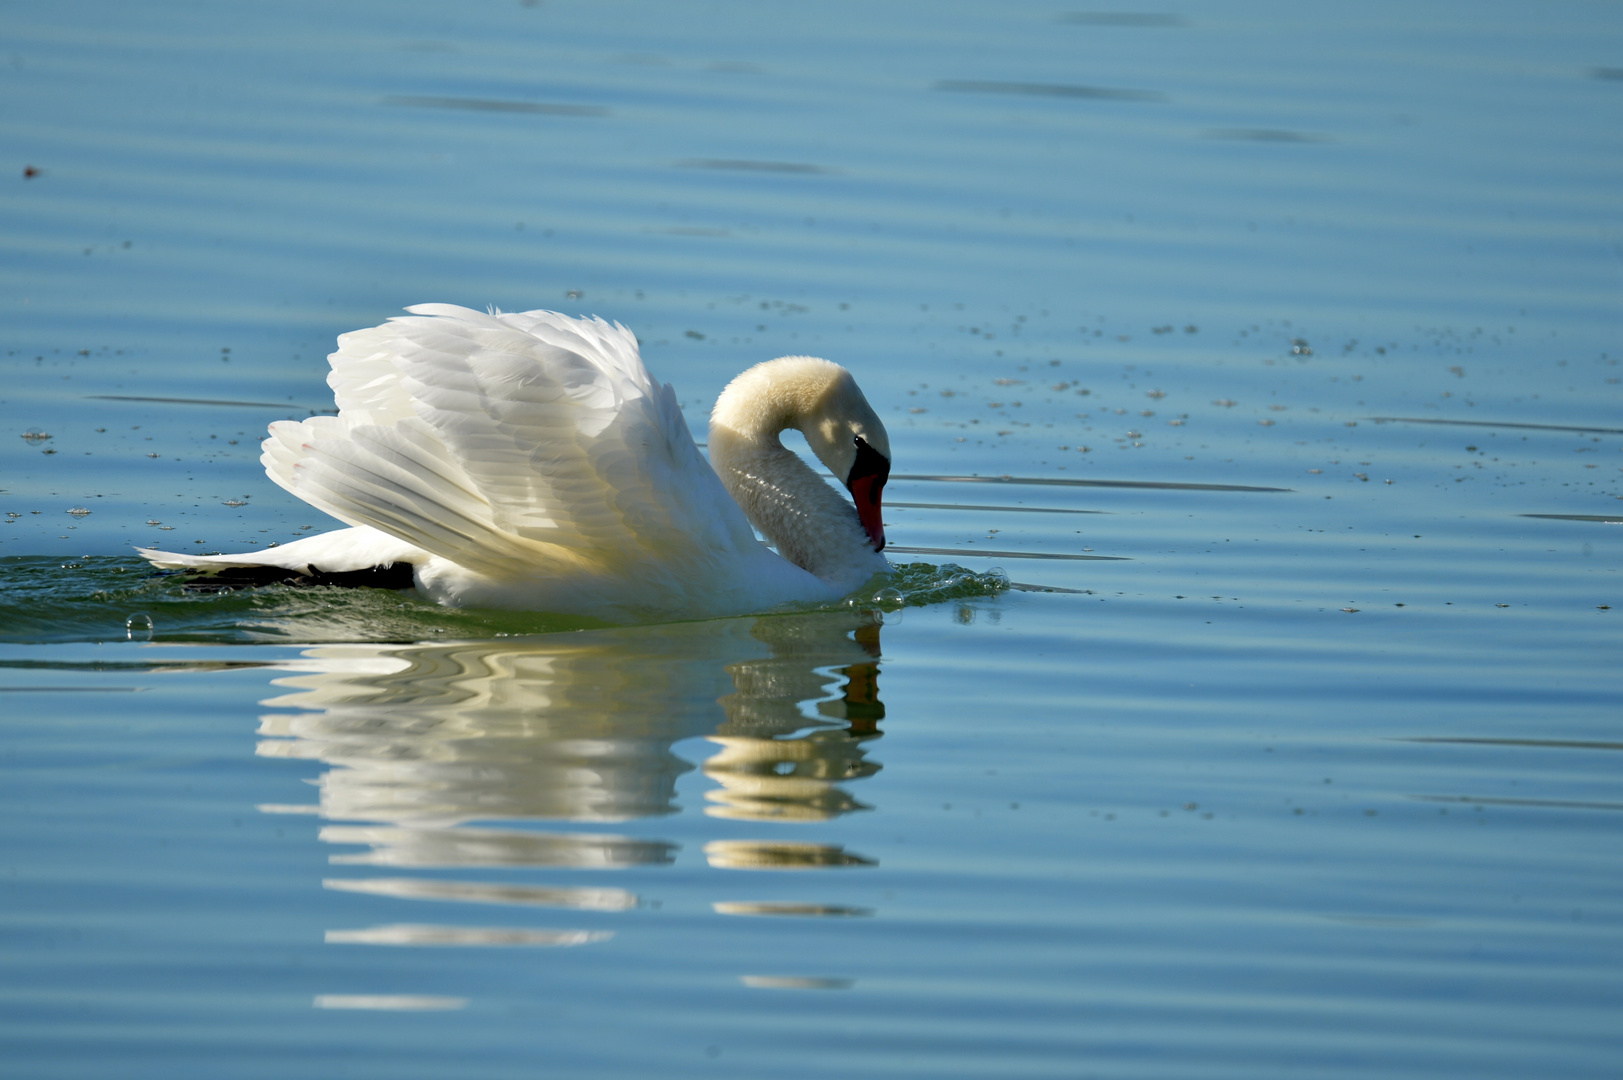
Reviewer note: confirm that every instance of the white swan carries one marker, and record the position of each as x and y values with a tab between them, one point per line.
529	461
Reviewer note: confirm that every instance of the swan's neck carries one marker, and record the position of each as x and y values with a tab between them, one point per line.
808	521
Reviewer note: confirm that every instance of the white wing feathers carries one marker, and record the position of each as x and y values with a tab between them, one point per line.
490	438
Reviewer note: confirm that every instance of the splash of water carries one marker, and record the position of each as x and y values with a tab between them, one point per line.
118	599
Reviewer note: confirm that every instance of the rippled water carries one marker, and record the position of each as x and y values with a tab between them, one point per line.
1272	354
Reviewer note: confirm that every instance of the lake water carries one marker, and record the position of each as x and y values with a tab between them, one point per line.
1272	353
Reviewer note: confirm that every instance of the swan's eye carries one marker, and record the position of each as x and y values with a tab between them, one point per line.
869	462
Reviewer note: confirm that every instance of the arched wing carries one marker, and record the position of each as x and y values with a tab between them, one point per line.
486	438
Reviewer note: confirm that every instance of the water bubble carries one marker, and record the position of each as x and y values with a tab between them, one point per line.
889	599
139	623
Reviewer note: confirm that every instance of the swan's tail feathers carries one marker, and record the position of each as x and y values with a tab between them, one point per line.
176	560
268	568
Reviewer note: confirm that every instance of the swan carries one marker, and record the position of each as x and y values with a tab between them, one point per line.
529	461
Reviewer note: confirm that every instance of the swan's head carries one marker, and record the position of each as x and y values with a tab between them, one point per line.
847	436
823	401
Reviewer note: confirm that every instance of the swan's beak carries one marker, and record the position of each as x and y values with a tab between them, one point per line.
866	492
866	483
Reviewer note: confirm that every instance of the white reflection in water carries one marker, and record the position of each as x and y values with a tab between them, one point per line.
759	855
770	907
442	756
469	847
415	934
480	892
390	1002
580	728
795	982
788	779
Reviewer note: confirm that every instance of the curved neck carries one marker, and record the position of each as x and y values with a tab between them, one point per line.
811	524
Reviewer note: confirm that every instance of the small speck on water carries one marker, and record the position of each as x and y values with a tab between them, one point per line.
79	511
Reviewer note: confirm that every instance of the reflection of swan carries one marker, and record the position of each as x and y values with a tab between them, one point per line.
443	758
798	778
530	461
422	739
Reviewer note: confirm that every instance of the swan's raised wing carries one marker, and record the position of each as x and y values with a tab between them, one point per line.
490	438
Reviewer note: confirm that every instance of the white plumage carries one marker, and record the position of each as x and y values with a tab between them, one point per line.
530	461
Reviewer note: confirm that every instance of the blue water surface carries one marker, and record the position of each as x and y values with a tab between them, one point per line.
1271	352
